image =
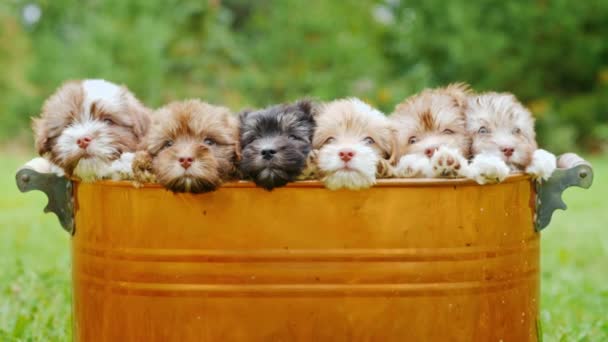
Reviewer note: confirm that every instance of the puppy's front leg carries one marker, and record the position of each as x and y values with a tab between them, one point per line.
142	168
43	165
413	165
311	170
449	163
122	168
487	168
542	166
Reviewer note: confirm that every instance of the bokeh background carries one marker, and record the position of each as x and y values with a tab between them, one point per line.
552	54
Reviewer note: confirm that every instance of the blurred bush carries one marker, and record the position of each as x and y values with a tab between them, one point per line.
552	54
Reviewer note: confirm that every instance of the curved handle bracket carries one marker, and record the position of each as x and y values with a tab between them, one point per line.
572	171
58	189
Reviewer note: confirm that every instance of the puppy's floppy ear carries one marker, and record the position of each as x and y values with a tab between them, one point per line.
41	136
139	113
242	115
308	107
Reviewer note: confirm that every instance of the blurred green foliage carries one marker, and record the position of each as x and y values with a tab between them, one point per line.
552	54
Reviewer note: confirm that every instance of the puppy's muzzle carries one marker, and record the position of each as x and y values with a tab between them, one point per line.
84	142
346	154
268	154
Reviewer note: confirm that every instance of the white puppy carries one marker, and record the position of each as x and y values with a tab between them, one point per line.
503	136
87	126
351	141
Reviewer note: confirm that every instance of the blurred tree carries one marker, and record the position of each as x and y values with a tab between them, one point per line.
551	54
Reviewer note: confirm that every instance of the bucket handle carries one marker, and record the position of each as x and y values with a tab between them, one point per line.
572	170
58	190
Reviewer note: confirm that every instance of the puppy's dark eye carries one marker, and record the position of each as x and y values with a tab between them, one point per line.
516	130
412	140
168	143
329	140
369	140
209	142
448	131
294	137
108	121
483	130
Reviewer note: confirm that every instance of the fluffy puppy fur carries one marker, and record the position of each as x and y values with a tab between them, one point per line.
351	141
431	133
87	126
504	139
191	146
275	143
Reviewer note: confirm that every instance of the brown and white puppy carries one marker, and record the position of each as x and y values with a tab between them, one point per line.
351	141
89	129
504	139
431	133
191	146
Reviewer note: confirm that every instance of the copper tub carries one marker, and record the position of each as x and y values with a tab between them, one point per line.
407	260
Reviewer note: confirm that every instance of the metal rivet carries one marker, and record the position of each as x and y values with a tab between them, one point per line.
25	178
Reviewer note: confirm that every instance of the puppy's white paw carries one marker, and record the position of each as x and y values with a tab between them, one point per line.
412	165
487	168
43	165
542	166
448	163
122	168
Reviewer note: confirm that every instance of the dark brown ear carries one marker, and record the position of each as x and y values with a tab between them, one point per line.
41	137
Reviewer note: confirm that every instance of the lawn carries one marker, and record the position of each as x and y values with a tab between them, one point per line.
35	265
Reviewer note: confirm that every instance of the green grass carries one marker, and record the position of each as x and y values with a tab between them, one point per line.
35	265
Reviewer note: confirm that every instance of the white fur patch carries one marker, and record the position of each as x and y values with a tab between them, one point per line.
104	92
542	166
488	168
43	165
366	109
122	168
414	165
358	173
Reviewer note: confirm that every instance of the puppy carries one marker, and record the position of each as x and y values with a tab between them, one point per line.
431	133
275	143
352	141
90	128
191	146
504	139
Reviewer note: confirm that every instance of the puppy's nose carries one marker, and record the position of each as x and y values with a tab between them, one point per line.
84	142
185	162
429	152
508	151
346	155
268	153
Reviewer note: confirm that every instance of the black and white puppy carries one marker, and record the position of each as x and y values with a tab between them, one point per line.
275	143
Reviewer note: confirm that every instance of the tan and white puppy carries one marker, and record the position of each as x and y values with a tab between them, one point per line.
504	139
431	133
191	146
351	141
90	129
